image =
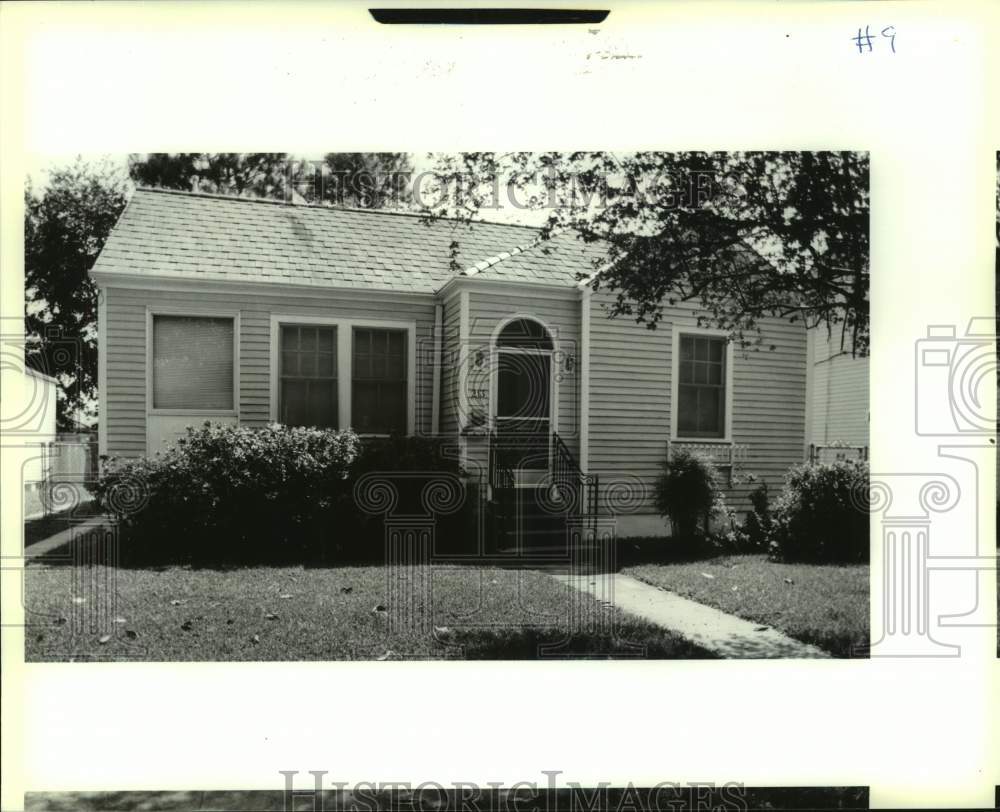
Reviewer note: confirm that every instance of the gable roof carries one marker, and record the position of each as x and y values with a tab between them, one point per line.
185	235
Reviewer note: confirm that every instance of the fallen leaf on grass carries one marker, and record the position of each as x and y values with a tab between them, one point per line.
255	639
176	603
285	596
379	608
390	653
789	581
187	625
708	575
736	589
119	620
346	590
270	616
104	639
79	600
442	630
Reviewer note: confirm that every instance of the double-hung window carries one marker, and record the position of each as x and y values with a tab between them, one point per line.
379	380
193	363
308	394
701	389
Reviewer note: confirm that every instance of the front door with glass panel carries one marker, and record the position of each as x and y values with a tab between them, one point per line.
523	398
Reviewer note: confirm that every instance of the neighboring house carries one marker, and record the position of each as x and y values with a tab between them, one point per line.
29	428
248	311
838	397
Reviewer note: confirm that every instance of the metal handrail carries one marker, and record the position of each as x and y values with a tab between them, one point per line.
567	473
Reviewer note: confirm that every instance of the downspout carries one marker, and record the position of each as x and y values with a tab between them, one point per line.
102	371
585	378
463	392
436	381
810	434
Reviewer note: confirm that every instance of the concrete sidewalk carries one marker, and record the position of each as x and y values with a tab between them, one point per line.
723	634
63	537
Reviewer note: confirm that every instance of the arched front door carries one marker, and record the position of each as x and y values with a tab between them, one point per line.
523	394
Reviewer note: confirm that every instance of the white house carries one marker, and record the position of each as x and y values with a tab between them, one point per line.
250	311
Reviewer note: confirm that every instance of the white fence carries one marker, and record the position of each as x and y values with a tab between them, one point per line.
67	469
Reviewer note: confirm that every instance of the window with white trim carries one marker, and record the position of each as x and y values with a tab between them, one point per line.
308	395
193	362
701	387
379	380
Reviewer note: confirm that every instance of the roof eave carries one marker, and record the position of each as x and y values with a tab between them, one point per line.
168	282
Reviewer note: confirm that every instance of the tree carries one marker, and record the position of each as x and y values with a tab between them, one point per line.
742	235
366	179
253	174
363	179
65	228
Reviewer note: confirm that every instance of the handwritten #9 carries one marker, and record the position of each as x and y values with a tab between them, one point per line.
864	39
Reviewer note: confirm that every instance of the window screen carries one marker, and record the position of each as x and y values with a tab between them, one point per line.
378	386
192	362
308	376
701	408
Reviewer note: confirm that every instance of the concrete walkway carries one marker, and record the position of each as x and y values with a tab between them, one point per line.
724	634
63	537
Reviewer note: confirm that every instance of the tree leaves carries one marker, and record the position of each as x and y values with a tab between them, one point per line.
741	235
65	228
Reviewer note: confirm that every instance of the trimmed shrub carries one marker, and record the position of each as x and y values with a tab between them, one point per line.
227	493
822	516
758	524
410	464
280	494
687	493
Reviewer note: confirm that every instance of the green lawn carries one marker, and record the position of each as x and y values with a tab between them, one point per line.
295	613
826	605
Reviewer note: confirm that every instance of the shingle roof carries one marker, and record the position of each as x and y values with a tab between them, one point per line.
195	236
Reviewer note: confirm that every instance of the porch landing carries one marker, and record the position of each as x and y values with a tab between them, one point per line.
724	634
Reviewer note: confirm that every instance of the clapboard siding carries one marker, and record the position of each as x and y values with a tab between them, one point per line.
839	397
124	403
562	317
630	393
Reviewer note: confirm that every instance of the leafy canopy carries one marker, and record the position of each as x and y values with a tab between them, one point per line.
65	227
742	235
362	179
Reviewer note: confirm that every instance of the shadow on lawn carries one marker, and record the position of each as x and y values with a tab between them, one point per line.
114	546
632	552
356	546
44	527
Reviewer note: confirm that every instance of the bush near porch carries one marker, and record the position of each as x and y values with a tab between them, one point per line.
235	495
820	516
